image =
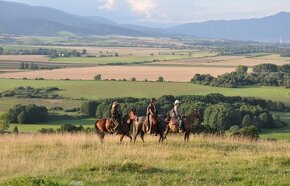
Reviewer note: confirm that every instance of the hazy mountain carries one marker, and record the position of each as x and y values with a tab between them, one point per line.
18	18
22	19
268	29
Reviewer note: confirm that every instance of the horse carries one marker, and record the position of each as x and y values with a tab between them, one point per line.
104	125
141	127
173	126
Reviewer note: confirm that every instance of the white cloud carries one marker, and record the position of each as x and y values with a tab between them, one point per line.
143	7
109	5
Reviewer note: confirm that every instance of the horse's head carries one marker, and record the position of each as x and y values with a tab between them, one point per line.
194	114
132	115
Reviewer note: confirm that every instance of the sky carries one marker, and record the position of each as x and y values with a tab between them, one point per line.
166	12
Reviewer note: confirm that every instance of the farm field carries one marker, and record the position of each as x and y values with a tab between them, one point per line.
81	159
226	61
24	58
113	89
117	60
178	74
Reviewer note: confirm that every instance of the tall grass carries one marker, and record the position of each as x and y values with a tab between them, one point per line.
82	159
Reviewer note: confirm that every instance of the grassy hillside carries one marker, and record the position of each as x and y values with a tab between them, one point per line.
81	159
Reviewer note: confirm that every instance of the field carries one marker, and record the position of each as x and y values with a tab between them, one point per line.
34	128
82	160
177	74
283	133
114	89
226	61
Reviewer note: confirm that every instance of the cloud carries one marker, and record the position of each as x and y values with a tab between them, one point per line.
143	7
109	5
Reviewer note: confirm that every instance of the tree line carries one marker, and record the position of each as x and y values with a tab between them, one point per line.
44	51
30	92
262	75
217	112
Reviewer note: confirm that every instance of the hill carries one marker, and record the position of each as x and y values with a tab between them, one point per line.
267	29
22	19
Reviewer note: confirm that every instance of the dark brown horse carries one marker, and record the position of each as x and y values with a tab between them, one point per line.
188	122
141	127
105	125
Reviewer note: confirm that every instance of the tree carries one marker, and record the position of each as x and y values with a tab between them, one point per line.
261	68
84	51
133	79
22	65
116	54
241	69
15	130
4	122
98	77
1	50
28	114
247	121
21	118
160	79
220	116
266	119
89	108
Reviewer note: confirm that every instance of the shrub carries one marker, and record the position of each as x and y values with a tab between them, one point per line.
46	131
133	79
248	132
89	108
70	128
4	122
98	77
15	130
28	114
160	79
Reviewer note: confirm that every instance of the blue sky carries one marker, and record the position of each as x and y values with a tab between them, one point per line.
166	12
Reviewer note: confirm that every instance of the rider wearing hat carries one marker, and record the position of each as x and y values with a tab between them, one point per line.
152	112
177	116
116	115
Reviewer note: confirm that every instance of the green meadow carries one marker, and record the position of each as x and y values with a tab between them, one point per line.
80	159
113	89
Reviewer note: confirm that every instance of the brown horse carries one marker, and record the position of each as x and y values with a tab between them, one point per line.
141	127
105	125
188	122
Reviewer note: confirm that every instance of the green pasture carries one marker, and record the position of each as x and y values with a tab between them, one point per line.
113	89
33	128
281	133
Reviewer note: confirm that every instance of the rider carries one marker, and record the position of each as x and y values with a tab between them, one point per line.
151	113
177	116
116	116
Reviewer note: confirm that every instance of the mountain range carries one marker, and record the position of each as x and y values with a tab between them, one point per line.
23	19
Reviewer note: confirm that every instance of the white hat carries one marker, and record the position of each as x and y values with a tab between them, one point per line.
177	102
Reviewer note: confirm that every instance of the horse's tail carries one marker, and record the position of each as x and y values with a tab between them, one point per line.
96	124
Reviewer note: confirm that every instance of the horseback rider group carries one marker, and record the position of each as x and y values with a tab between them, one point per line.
152	115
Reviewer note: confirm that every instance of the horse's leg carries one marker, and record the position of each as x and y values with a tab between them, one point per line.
142	133
130	137
136	134
186	135
166	132
121	138
100	134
